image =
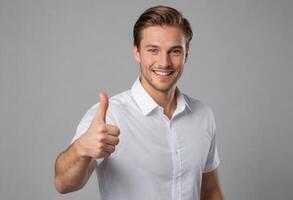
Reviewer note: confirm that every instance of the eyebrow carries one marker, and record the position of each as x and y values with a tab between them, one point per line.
151	45
155	46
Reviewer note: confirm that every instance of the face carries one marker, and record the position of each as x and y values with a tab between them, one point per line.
161	56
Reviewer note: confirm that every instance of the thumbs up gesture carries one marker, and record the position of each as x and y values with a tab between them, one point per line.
100	139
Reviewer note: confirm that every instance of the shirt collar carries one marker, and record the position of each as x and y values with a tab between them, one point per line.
147	104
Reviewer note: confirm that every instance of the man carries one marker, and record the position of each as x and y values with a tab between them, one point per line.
151	142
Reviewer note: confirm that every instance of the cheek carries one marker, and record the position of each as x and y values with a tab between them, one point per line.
178	63
148	61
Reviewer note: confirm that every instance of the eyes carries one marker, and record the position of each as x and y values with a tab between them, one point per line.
153	50
175	51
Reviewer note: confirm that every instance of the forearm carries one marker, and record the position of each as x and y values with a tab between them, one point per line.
215	195
210	189
71	170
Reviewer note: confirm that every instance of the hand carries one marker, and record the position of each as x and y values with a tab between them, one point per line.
100	139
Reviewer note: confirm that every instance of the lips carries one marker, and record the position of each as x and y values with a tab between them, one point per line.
162	73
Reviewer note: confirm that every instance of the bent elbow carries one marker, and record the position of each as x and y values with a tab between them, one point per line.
60	187
64	188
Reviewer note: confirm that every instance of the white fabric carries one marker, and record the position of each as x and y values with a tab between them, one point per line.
157	158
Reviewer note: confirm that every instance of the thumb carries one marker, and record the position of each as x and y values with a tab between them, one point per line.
103	107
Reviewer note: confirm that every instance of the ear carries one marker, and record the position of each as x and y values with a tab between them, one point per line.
136	53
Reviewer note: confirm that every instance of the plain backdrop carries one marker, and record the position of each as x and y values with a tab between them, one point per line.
56	56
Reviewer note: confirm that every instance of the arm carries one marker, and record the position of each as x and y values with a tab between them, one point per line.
210	187
72	171
75	165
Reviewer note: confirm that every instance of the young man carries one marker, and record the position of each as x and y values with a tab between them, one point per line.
150	142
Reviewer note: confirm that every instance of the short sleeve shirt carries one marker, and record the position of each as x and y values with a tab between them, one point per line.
157	158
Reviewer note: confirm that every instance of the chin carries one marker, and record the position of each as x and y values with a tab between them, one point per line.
163	88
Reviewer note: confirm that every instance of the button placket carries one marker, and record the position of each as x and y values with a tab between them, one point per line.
176	163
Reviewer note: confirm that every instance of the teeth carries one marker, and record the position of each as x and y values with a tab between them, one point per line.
163	73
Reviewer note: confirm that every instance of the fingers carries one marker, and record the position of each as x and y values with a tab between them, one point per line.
113	130
105	148
112	140
109	129
109	148
107	139
104	137
102	109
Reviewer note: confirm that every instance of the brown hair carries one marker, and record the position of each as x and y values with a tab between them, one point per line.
161	15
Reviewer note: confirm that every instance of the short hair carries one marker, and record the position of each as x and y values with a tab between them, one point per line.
160	16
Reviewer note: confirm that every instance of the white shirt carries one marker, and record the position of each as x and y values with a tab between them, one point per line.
156	158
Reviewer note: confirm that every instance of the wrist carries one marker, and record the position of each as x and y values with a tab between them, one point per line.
78	149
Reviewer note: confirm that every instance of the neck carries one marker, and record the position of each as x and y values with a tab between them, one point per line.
166	99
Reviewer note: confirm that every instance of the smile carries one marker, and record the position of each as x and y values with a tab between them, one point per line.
163	73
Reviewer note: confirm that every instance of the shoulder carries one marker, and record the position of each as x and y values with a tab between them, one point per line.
202	111
197	105
122	98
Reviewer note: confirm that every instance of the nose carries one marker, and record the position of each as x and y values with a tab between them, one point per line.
164	59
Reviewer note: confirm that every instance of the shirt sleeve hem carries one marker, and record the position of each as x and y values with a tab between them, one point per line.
211	167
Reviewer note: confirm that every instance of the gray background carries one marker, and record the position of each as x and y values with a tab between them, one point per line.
55	57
